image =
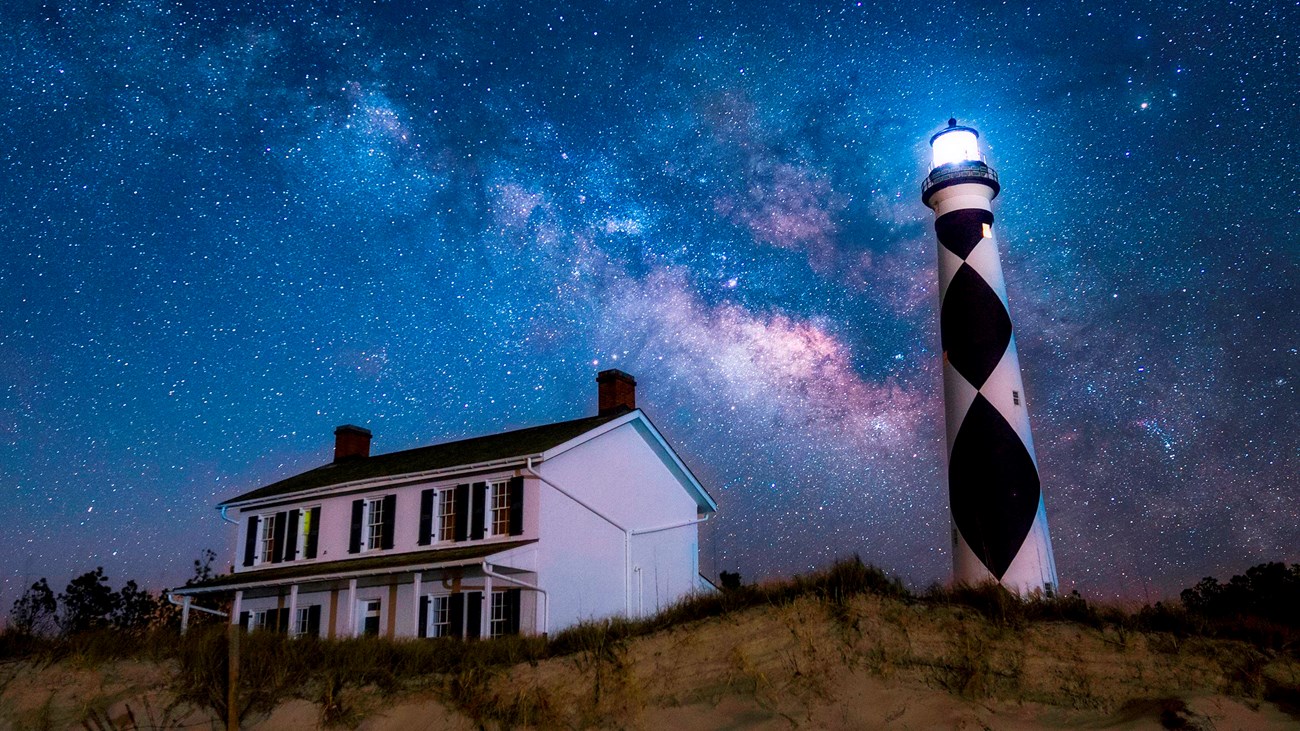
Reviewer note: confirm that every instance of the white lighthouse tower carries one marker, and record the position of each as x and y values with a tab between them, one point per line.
999	522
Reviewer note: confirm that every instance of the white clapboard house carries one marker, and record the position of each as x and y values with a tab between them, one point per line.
526	531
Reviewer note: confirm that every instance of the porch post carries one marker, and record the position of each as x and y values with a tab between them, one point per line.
185	613
235	608
415	607
293	628
352	608
485	616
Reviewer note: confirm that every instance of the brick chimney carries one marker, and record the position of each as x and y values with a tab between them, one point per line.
351	442
617	391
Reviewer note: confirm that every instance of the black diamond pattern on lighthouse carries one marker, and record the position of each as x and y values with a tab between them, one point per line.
992	486
974	326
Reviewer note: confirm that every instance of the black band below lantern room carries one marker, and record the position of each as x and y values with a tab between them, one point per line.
959	231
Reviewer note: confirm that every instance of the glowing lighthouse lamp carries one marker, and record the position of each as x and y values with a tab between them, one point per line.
955	144
999	522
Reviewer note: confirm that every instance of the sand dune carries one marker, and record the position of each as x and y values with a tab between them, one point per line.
874	662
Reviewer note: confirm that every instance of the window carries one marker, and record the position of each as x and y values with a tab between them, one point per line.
284	536
266	542
500	621
375	523
369	618
1015	398
308	532
307	623
447	515
438	618
500	509
260	620
504	617
451	615
471	512
438	623
503	508
372	523
988	231
271	620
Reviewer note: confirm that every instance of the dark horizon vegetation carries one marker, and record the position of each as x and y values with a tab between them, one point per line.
1265	594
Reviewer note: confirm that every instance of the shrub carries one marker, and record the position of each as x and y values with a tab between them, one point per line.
88	602
1258	606
34	611
1269	591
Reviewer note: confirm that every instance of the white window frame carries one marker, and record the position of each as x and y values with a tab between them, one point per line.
369	508
445	527
438	621
497	619
265	539
498	516
257	619
300	621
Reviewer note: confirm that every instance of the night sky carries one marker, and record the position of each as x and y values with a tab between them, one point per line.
226	232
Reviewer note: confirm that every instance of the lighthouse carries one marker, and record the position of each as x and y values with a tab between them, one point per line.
999	522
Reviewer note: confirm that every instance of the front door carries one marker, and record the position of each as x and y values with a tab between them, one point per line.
370	618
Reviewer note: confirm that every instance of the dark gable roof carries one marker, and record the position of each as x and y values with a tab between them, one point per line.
438	456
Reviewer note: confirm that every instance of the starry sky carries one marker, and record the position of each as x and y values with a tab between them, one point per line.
227	231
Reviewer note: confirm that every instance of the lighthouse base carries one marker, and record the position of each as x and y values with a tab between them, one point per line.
1032	571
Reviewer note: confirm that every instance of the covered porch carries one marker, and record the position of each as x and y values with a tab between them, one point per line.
455	592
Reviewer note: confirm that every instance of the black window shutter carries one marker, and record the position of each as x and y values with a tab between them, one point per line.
512	611
421	630
426	517
243	620
516	506
456	614
277	537
313	621
313	533
354	541
473	614
461	509
250	542
291	536
282	621
476	514
390	520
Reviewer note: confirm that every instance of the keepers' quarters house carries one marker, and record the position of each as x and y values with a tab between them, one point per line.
527	531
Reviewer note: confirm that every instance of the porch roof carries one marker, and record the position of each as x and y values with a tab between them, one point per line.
354	567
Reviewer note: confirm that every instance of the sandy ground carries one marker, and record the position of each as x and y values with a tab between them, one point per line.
878	664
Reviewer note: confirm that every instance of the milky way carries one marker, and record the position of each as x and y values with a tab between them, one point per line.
227	232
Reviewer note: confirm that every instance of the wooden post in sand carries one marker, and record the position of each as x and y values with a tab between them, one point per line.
233	631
